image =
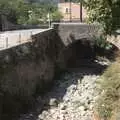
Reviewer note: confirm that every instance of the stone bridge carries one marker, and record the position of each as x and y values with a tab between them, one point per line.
29	67
72	32
77	39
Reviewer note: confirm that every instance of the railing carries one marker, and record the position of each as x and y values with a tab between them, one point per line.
8	40
13	38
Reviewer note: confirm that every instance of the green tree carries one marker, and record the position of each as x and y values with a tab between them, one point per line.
105	12
21	12
8	9
56	16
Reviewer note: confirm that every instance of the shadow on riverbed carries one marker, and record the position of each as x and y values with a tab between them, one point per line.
61	84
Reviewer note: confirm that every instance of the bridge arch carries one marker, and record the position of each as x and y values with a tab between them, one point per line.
78	41
78	51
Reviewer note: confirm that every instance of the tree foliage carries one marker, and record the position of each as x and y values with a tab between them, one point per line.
8	9
24	12
105	12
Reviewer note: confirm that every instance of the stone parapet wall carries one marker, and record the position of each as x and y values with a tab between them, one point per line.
28	64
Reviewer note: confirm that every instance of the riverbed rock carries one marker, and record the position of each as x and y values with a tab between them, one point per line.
76	92
53	102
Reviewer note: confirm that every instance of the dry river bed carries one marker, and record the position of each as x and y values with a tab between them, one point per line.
72	97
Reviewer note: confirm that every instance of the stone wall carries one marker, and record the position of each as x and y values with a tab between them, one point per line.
28	68
78	40
71	32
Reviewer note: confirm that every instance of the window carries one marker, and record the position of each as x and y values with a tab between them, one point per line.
67	10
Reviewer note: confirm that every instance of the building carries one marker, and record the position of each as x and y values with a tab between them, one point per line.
71	11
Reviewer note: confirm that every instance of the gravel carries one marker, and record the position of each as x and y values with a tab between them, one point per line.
72	98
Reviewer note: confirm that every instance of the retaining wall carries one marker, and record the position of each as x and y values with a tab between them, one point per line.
28	68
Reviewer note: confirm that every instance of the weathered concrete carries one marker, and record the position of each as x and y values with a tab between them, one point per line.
34	61
28	68
14	38
71	32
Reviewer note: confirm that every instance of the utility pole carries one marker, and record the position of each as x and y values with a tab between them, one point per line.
80	10
49	21
70	10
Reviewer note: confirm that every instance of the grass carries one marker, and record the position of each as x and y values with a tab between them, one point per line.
108	102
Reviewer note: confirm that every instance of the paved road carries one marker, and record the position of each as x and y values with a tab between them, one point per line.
13	38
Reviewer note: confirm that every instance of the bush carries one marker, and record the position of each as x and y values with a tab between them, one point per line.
56	16
105	12
102	43
110	89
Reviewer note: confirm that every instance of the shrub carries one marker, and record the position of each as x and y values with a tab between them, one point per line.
102	43
108	102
